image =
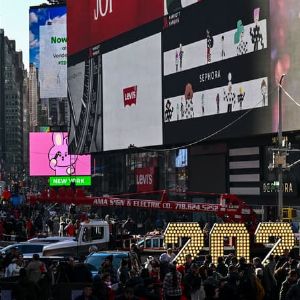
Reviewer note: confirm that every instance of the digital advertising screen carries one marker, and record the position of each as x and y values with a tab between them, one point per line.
105	19
48	49
132	95
49	156
189	71
172	6
215	67
85	99
48	60
285	59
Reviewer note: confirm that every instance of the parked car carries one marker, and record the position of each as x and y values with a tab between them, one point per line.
25	248
95	260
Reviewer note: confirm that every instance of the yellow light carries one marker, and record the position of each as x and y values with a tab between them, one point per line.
281	230
219	231
191	230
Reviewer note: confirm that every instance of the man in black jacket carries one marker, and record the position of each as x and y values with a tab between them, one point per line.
294	292
291	279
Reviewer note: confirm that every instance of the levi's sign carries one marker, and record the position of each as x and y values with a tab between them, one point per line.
129	95
145	179
67	180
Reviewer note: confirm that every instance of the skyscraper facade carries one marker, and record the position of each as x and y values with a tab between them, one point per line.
11	116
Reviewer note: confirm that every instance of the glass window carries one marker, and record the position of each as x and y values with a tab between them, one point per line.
155	243
87	235
161	242
148	243
92	233
97	233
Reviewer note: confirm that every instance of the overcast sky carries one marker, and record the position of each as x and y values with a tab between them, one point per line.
14	19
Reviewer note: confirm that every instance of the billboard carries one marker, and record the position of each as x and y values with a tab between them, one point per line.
146	179
85	99
173	6
48	49
132	95
48	58
285	60
196	72
53	60
68	180
49	156
214	68
105	19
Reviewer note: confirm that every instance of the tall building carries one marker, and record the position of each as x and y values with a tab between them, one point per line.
25	121
33	95
2	101
11	102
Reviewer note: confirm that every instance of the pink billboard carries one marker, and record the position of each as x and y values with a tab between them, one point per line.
49	156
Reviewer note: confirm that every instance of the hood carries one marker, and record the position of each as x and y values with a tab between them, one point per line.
62	244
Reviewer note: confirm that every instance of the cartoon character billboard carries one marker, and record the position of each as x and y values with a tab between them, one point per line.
49	156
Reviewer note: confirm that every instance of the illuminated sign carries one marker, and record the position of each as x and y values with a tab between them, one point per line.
67	180
271	188
49	156
282	231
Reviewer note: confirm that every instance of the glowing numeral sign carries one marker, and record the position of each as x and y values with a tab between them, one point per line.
282	231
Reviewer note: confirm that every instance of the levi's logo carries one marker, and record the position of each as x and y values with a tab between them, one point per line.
129	95
144	179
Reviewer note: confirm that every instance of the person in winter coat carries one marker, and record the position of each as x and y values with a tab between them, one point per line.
192	282
172	284
294	292
291	279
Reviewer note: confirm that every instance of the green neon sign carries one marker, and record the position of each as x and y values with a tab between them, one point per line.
66	180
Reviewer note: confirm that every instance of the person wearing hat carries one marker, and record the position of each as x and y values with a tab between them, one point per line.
167	257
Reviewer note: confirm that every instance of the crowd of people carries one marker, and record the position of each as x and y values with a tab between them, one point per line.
159	278
156	278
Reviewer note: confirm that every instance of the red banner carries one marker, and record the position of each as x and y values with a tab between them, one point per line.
170	205
145	179
91	22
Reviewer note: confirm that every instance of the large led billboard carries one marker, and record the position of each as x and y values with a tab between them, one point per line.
215	68
132	95
203	70
48	59
49	156
85	100
105	19
115	94
285	25
48	49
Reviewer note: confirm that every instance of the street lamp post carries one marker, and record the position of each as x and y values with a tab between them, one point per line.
280	153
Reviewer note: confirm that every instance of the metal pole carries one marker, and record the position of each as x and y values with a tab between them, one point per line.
280	179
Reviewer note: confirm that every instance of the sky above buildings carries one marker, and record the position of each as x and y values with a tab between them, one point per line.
14	19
